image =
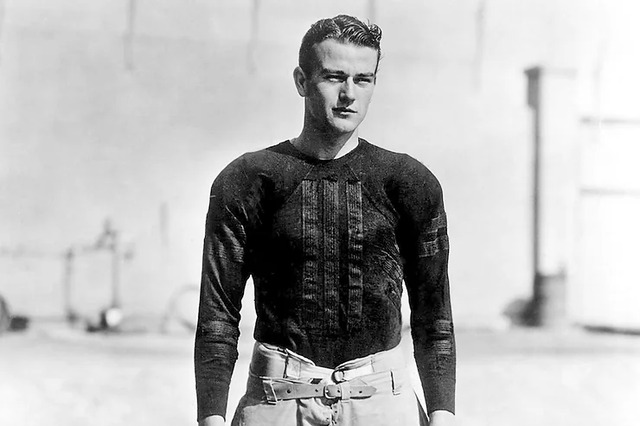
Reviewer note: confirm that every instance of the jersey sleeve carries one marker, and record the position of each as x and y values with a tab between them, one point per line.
224	275
424	244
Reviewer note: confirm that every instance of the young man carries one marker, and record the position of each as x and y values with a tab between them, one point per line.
328	225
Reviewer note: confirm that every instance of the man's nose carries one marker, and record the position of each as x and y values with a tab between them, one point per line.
347	91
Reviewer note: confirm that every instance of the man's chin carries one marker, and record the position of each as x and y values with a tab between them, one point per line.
344	126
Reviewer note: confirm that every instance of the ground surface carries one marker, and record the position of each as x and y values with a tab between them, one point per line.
58	376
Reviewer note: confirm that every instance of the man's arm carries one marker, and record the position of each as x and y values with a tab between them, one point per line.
424	245
224	275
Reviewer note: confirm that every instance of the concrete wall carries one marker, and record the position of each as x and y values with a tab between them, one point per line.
90	130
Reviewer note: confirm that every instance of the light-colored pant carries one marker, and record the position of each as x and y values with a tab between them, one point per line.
393	403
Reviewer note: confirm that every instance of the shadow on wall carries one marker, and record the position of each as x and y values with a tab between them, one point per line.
10	322
545	308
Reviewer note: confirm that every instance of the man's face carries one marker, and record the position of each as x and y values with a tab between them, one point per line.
338	91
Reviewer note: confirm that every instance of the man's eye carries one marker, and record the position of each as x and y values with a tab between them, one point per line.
364	81
334	78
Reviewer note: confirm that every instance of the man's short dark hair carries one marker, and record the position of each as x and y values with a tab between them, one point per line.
343	28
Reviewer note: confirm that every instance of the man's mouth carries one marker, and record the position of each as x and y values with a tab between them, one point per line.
342	110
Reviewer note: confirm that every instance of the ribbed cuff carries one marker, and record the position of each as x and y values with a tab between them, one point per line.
213	401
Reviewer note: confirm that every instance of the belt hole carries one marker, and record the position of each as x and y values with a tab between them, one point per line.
288	390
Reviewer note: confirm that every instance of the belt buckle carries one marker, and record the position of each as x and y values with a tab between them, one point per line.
332	391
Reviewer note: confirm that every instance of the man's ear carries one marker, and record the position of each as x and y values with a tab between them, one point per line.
300	79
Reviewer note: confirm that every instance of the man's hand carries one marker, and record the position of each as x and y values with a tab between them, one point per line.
441	418
213	421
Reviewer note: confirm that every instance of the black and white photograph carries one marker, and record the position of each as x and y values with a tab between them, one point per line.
303	213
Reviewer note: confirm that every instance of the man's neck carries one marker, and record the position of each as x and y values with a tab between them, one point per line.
325	147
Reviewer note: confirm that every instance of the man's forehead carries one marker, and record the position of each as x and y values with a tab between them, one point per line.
333	53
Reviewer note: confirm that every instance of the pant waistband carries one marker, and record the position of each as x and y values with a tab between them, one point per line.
276	362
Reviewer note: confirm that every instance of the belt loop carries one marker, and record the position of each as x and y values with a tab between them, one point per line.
372	363
269	391
395	389
292	367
